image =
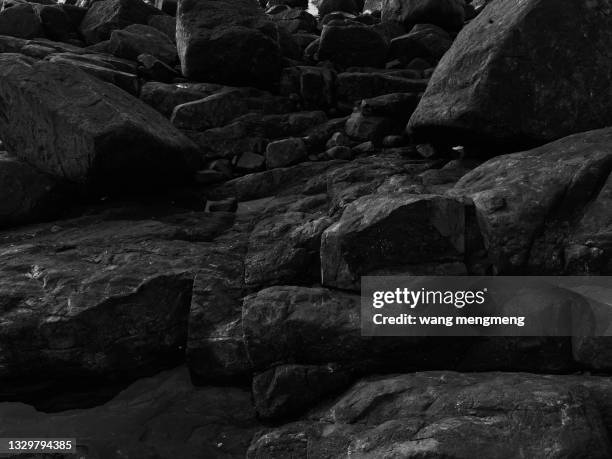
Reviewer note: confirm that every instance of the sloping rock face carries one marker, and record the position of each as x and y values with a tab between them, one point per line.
78	128
494	87
98	299
545	210
163	416
227	41
441	415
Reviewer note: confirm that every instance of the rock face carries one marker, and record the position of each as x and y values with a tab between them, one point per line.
353	45
138	39
539	214
371	238
227	41
104	16
441	415
20	21
494	87
448	14
77	299
163	417
77	128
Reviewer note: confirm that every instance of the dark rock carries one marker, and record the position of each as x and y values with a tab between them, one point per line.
286	152
352	87
352	46
329	6
100	69
165	24
21	21
505	91
104	16
104	137
252	132
314	85
287	390
138	39
98	300
226	205
295	19
284	249
374	128
442	414
152	68
547	212
151	417
448	14
215	347
167	6
339	152
57	25
425	41
210	176
213	111
371	238
26	194
165	97
227	41
251	162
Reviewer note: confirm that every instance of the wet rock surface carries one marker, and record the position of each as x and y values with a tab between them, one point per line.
190	192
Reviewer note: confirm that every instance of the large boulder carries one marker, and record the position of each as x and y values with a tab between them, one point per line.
228	41
139	39
521	74
546	210
73	126
353	45
448	14
98	299
21	21
104	16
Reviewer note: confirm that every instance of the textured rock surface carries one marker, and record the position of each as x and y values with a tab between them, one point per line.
441	415
98	299
494	87
536	209
163	417
104	16
448	14
75	127
227	41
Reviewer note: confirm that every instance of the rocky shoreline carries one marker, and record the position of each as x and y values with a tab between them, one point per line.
191	191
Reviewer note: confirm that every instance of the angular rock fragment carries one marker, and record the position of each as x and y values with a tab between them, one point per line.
286	152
